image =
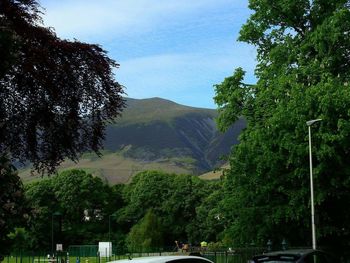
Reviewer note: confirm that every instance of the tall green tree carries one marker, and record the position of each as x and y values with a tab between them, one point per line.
210	221
85	203
77	205
42	203
12	204
146	235
303	73
173	198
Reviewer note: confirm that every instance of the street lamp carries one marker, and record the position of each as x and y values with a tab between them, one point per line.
52	236
109	226
309	123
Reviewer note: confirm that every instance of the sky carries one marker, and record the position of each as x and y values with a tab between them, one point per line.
173	49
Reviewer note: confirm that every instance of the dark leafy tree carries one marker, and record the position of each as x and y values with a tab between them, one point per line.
303	73
55	95
12	210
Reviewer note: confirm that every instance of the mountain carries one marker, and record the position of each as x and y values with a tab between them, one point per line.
159	134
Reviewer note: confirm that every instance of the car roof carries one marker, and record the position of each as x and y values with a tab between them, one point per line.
295	252
157	259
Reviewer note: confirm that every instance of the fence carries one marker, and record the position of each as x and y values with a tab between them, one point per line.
89	254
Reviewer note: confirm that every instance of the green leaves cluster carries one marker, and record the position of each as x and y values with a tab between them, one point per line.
303	73
175	199
76	205
12	204
148	214
147	234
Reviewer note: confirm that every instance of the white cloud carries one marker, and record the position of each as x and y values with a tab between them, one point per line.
81	18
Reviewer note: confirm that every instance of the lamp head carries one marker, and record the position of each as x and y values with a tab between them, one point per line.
310	122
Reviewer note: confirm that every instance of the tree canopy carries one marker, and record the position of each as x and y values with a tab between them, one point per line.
173	198
12	203
55	95
303	72
150	212
80	204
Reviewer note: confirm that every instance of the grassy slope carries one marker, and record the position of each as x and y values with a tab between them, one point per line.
215	174
115	169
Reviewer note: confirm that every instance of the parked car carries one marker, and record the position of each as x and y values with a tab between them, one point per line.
295	256
165	259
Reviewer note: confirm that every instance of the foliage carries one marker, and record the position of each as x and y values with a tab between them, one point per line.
155	207
173	198
12	203
56	96
303	73
209	221
146	234
76	204
19	238
42	202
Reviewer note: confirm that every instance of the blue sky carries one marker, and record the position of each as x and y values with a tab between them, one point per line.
173	49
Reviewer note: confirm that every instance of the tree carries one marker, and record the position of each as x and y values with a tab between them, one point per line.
173	198
12	204
56	96
86	203
146	235
19	238
78	204
180	209
210	222
42	203
303	73
147	190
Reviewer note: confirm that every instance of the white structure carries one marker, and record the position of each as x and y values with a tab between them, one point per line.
105	249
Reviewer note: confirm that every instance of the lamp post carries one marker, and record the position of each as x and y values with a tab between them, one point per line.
52	232
309	123
109	226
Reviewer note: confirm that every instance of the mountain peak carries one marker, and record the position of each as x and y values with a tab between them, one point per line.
157	109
